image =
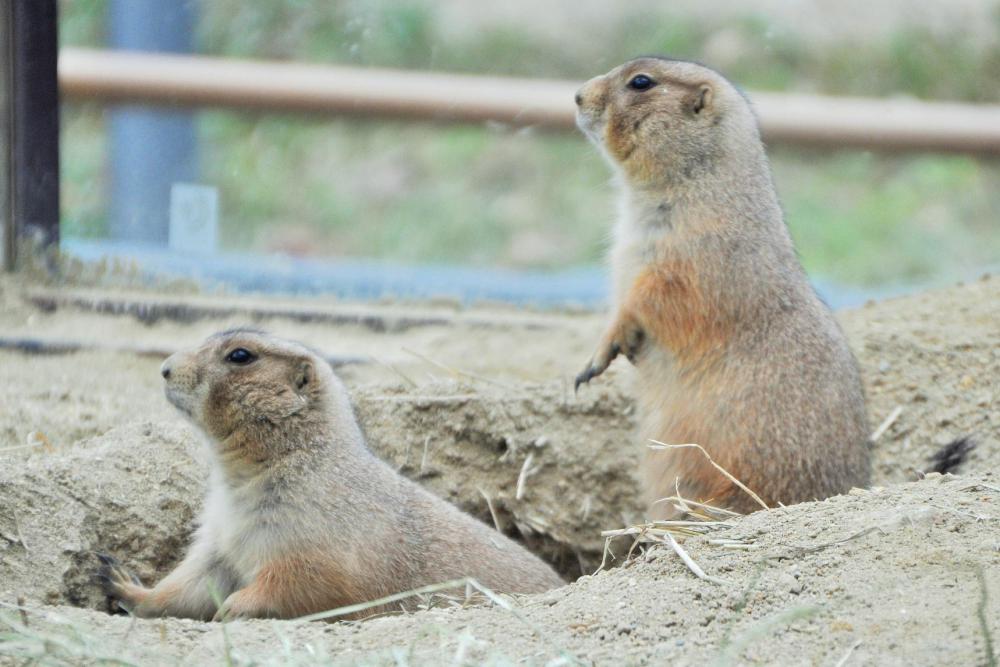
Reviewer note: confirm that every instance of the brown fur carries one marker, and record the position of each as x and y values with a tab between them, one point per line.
732	348
300	516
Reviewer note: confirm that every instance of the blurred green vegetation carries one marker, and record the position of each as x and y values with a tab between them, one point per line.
491	195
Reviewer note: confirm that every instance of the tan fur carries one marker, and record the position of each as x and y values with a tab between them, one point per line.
300	516
732	348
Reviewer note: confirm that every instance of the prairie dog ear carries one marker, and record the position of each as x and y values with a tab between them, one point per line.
305	374
701	99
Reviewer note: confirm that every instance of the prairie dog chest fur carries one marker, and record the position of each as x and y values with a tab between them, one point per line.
232	519
630	249
639	237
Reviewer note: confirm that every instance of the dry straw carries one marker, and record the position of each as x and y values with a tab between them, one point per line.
662	445
703	519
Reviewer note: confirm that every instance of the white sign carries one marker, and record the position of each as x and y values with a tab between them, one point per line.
194	218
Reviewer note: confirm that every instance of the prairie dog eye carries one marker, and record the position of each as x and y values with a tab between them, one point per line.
240	356
641	82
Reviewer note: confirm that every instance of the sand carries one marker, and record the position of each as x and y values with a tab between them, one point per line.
92	457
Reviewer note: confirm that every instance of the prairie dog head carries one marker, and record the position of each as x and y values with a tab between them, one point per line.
664	121
245	380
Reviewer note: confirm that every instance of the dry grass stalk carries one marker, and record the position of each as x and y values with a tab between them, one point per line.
799	549
685	505
604	555
30	445
693	566
655	530
493	511
886	423
523	476
976	517
681	503
980	485
662	445
20	535
468	584
735	545
406	378
423	457
362	606
707	520
455	371
847	656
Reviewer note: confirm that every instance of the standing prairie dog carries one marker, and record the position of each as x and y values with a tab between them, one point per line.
300	516
733	349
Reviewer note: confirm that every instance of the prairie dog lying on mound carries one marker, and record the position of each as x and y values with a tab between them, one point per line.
733	349
300	516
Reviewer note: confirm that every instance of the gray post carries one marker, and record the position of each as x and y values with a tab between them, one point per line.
150	148
6	212
30	125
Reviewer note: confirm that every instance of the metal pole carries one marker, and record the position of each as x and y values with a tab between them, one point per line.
196	81
33	124
151	147
6	139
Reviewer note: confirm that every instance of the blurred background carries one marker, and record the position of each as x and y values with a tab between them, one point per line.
457	200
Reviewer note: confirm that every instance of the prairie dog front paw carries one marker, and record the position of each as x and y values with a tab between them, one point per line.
624	337
118	582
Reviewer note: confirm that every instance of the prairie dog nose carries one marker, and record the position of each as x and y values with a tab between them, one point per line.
168	365
591	92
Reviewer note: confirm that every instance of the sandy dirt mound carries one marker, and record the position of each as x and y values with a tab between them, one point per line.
476	404
935	356
907	575
134	490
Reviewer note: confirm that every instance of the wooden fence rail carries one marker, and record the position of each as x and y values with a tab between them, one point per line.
198	81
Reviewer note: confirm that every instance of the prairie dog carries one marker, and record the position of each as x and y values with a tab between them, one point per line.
300	516
733	350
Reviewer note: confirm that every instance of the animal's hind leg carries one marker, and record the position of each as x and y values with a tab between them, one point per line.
294	586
